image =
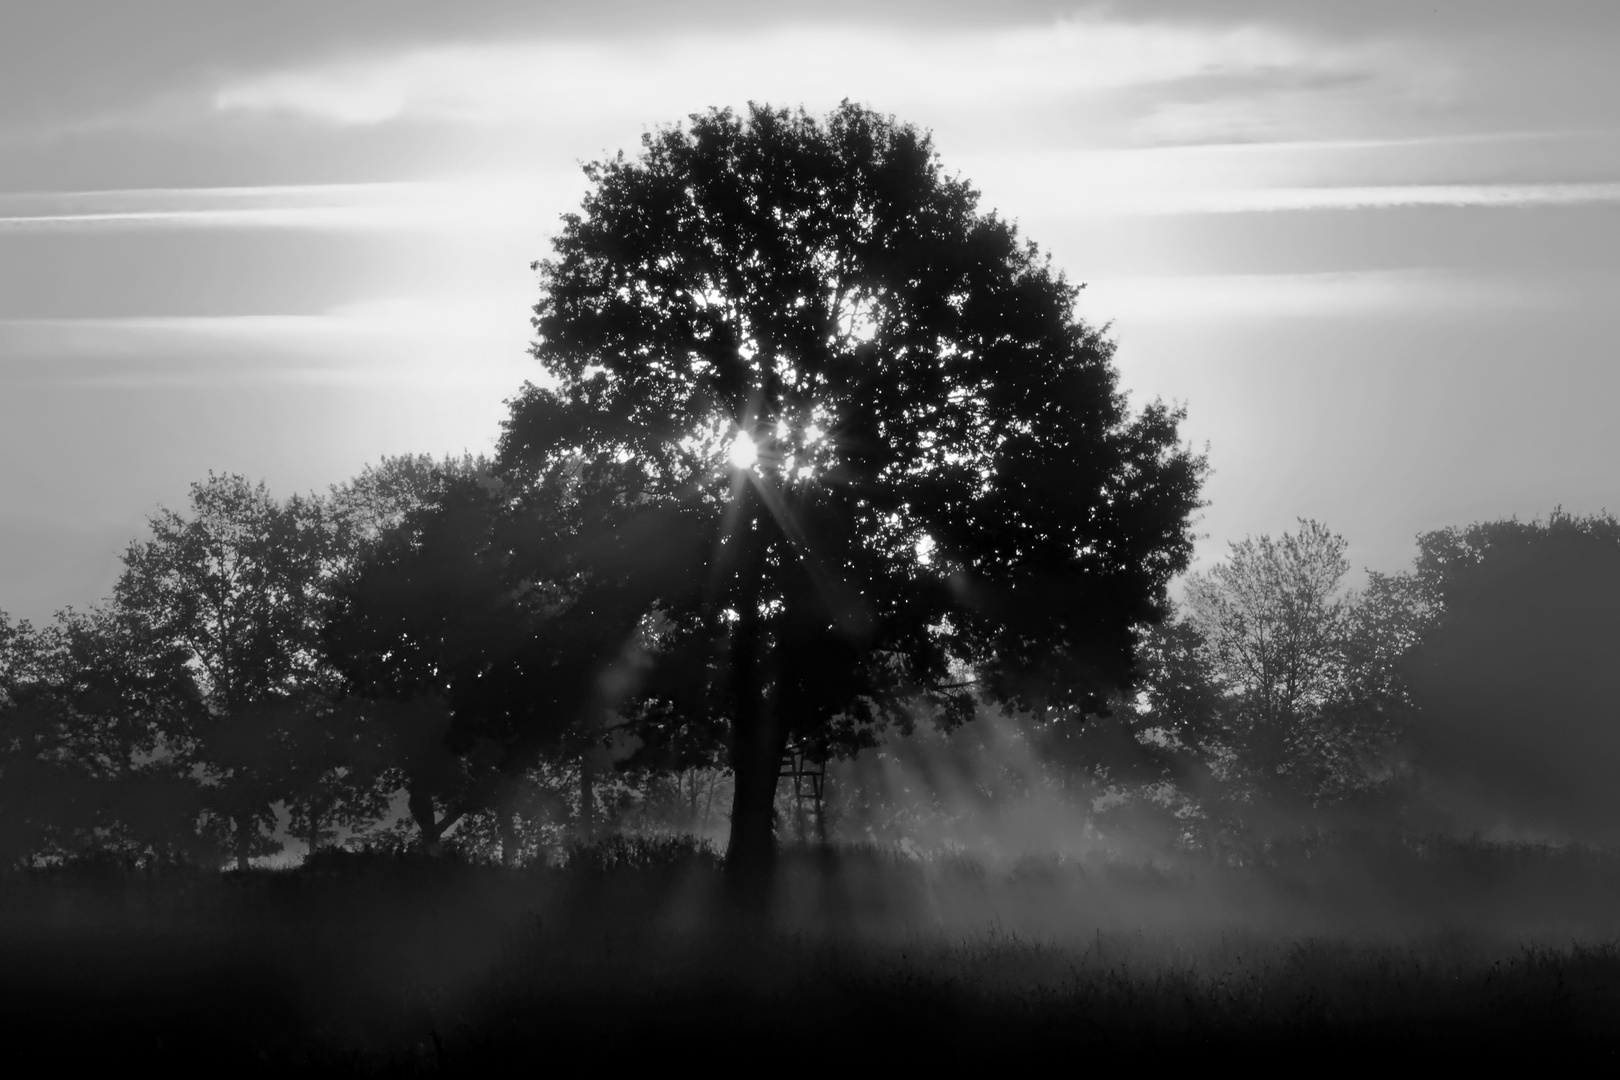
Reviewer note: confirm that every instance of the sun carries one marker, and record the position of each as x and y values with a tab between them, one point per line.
742	453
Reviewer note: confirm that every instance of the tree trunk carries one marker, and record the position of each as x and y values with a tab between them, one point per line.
431	826
758	740
757	743
756	761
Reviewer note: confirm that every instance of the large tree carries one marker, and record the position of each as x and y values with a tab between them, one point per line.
877	454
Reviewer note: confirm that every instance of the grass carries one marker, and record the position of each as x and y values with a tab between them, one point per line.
630	955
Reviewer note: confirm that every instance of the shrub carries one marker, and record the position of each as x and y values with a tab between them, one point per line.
643	852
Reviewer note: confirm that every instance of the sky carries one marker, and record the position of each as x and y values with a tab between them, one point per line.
1373	247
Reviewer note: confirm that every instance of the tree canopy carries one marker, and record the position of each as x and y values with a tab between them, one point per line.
1517	677
238	588
860	451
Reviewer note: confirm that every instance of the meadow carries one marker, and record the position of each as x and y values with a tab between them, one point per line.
631	954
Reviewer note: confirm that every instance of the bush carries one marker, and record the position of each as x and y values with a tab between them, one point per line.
635	852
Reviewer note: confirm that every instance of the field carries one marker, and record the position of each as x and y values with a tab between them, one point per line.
633	955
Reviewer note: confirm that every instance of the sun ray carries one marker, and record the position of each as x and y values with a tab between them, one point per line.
846	603
732	521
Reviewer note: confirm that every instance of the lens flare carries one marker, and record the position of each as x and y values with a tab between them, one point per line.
742	453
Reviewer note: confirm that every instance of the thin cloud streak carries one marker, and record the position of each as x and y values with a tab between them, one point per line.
482	203
1257	297
517	202
430	340
484	339
303	217
1393	196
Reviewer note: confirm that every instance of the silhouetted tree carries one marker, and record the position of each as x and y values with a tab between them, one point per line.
374	504
856	424
42	797
239	588
1274	619
1273	623
411	613
468	634
1163	757
1517	679
94	716
1308	701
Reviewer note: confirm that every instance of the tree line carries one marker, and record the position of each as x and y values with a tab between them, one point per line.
1473	693
347	665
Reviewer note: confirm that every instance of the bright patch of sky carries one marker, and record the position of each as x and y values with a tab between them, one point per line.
1371	247
520	82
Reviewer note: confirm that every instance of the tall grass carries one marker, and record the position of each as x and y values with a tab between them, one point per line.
368	964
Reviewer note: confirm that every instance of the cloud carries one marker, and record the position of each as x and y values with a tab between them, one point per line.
1050	185
482	340
499	203
1251	297
424	340
1501	169
1380	197
940	73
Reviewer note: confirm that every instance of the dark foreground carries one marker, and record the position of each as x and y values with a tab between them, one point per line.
633	959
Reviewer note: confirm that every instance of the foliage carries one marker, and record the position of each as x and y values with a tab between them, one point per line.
237	586
438	607
1273	624
1517	678
238	589
475	661
90	709
1277	702
375	503
642	853
939	479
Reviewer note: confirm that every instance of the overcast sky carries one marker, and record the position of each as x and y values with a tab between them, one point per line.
1373	246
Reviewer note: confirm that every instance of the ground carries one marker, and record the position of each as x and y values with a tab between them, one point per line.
382	966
